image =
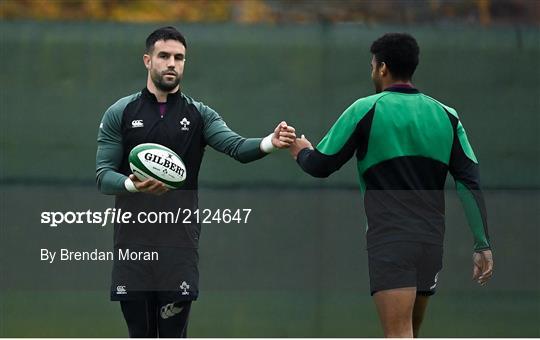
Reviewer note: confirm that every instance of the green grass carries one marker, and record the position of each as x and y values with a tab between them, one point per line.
306	277
272	314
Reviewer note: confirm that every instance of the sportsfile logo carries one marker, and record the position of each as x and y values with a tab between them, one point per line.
121	290
112	215
184	122
137	123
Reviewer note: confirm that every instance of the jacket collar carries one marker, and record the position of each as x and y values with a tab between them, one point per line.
402	88
171	97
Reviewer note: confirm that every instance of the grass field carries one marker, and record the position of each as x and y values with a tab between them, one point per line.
273	314
305	277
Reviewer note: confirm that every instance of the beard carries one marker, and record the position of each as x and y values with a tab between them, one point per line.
161	83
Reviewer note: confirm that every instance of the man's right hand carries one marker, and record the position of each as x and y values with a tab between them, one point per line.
482	266
149	186
298	145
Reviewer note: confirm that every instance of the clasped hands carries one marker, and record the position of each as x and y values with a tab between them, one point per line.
285	137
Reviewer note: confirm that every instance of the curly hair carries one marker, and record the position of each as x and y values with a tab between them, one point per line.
399	51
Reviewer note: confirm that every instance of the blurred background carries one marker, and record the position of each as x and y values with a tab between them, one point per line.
299	267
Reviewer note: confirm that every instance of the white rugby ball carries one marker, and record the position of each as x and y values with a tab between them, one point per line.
150	160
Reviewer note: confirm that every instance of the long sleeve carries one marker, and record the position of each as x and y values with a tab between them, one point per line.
464	168
220	137
348	135
110	151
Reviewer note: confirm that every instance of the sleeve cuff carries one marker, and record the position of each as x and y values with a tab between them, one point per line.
266	144
302	154
130	186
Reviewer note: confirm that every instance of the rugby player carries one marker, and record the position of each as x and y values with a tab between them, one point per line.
405	143
156	296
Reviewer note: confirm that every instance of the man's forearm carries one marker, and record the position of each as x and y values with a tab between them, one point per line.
475	211
315	163
110	182
249	150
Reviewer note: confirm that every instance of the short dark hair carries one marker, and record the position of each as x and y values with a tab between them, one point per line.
164	33
399	51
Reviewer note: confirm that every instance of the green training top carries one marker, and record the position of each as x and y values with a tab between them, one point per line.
405	144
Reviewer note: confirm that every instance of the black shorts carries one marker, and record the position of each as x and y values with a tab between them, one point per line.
405	264
173	276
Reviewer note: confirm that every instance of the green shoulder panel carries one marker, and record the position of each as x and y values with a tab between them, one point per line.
464	141
448	108
462	135
110	127
220	137
344	127
408	125
213	123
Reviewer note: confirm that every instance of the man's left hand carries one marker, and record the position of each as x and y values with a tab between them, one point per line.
482	266
283	136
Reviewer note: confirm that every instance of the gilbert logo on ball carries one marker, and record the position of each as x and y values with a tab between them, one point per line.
150	160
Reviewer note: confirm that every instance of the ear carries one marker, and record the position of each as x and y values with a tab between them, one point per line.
383	69
147	60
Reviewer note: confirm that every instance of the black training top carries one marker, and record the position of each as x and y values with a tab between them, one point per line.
186	128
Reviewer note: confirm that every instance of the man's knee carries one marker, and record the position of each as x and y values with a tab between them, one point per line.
395	308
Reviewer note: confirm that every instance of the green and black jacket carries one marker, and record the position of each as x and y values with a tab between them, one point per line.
187	128
405	144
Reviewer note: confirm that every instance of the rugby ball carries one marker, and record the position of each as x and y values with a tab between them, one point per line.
150	160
